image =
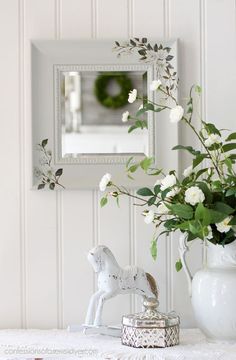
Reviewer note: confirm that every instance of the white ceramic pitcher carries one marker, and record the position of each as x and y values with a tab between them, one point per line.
213	291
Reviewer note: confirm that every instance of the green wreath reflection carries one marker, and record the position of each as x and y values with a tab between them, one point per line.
102	94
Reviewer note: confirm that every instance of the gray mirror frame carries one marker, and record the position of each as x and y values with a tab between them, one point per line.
48	58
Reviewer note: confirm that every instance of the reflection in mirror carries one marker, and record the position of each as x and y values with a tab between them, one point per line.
92	104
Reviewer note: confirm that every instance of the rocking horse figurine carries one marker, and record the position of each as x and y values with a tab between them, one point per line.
113	280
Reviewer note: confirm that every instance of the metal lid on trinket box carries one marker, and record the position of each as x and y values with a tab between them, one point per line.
150	328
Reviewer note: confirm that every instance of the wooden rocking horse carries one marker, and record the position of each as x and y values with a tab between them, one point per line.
114	280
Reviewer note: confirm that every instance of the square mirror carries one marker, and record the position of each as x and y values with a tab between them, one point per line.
79	95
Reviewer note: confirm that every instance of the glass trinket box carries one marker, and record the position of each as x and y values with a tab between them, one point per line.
151	328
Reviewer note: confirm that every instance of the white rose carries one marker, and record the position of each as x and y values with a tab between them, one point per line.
188	171
155	84
210	235
162	209
173	192
194	195
223	226
176	114
104	182
125	116
132	96
140	107
168	181
149	217
212	139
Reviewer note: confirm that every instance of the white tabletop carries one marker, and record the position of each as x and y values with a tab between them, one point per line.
60	344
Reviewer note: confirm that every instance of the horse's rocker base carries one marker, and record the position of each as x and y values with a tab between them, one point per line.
99	330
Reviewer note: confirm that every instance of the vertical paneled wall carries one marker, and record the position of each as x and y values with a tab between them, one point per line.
44	236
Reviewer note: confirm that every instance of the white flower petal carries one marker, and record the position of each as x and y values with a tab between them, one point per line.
176	114
188	171
173	192
223	226
149	217
104	182
212	139
155	84
168	181
210	235
194	195
132	96
162	209
125	116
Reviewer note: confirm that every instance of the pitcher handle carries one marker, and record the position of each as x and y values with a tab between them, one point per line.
183	249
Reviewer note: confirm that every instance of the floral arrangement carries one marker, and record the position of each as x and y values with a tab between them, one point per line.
201	202
48	177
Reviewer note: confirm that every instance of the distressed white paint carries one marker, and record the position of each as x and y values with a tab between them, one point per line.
114	280
45	236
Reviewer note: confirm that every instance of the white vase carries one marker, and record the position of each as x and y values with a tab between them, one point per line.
213	291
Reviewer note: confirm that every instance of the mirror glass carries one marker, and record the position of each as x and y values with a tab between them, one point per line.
91	108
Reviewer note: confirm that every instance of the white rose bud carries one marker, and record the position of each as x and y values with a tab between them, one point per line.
149	217
162	209
104	182
212	139
194	195
224	226
173	192
132	96
210	235
168	181
155	84
176	114
188	171
125	116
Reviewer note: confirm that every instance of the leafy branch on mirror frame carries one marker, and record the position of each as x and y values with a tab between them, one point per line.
156	54
48	177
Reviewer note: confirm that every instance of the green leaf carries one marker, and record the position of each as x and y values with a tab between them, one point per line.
208	195
198	159
231	192
52	186
169	57
187	148
223	208
229	147
151	201
59	172
145	192
132	128
182	210
178	265
233	221
198	89
211	129
103	201
200	172
44	143
170	224
203	214
154	249
216	216
118	201
129	161
232	136
41	186
157	189
146	163
133	168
